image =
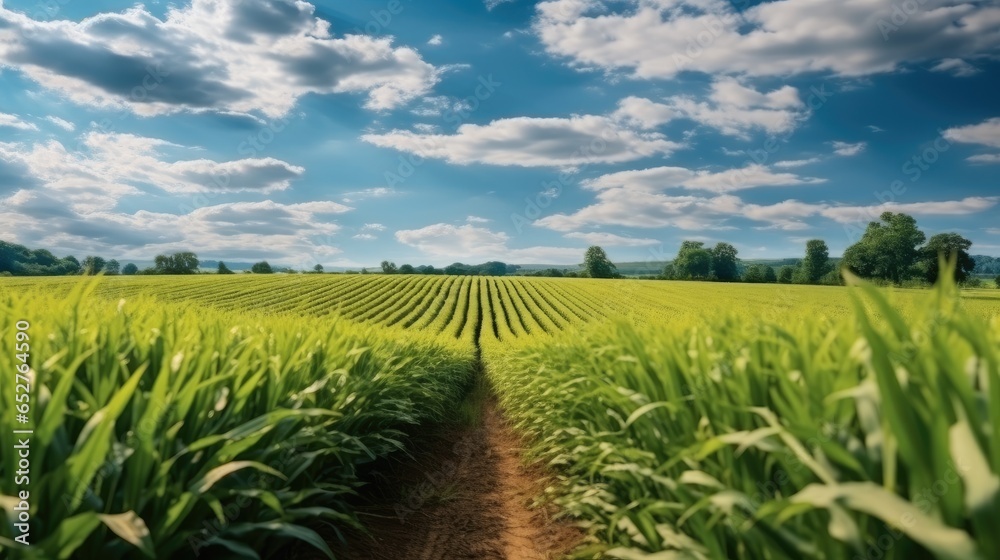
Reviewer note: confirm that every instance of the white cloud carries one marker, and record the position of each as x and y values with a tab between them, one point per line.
847	149
779	38
283	233
984	158
795	163
435	40
639	204
375	192
532	142
373	227
957	67
986	133
364	237
490	4
219	55
662	178
447	242
13	121
116	165
611	240
477	220
61	123
874	128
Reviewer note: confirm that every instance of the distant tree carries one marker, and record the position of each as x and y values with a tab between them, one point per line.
70	265
724	263
92	265
693	261
112	267
759	274
785	274
513	268
817	261
262	268
597	263
948	245
223	269
407	269
318	269
997	281
364	271
887	250
389	267
178	263
130	269
494	268
669	272
455	269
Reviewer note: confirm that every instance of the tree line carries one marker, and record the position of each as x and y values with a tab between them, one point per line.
892	250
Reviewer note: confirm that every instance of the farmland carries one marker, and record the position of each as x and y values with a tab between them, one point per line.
711	421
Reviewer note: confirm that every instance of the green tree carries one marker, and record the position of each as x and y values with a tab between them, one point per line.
112	267
262	268
495	268
318	269
389	267
178	263
947	245
407	269
597	263
223	269
693	261
92	265
997	281
724	263
130	269
786	274
817	261
759	274
888	249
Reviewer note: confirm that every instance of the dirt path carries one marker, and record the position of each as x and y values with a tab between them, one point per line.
465	496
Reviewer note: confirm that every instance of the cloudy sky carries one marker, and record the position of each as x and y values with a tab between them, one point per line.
432	132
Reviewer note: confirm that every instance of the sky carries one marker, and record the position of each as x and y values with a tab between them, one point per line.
345	133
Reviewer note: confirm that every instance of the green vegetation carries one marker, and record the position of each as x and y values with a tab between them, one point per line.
872	435
179	430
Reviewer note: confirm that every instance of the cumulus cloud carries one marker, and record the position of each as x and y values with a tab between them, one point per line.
14	121
661	178
790	163
435	40
956	67
61	123
533	142
105	167
246	57
780	38
476	220
282	232
447	242
986	133
647	198
848	149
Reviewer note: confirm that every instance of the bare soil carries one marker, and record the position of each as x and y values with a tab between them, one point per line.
465	495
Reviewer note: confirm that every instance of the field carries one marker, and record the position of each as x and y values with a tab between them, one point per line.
235	414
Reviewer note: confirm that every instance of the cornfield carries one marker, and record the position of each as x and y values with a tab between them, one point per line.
677	420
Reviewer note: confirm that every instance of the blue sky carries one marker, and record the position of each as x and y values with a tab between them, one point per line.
345	133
